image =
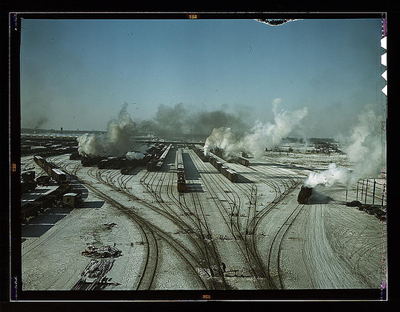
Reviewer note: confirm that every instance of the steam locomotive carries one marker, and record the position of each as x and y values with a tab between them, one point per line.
304	195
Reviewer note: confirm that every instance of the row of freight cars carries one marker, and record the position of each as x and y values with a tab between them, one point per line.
47	146
379	213
213	160
122	163
158	159
61	194
228	173
181	182
200	152
153	159
56	174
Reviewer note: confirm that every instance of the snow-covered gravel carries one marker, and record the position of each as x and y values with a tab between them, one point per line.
328	245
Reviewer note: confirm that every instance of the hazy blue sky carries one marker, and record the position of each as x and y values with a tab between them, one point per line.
78	73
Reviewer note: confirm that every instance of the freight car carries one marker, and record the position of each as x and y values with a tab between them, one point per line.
230	174
59	176
158	165
43	180
32	209
243	161
150	166
28	182
88	161
56	174
304	195
39	160
75	156
72	199
199	150
158	161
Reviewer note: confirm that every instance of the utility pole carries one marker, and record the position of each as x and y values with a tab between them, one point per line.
373	193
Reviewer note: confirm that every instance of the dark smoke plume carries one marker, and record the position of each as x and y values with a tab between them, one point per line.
117	141
41	121
177	121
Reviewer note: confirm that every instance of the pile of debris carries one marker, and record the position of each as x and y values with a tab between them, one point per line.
94	277
101	252
109	225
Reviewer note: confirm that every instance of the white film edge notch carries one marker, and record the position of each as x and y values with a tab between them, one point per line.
384	62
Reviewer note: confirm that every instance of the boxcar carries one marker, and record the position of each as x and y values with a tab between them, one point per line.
232	175
59	175
243	161
72	199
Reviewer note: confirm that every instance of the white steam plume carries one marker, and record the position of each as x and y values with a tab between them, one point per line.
365	150
117	141
261	136
328	177
134	155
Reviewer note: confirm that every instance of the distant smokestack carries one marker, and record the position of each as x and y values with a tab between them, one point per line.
41	122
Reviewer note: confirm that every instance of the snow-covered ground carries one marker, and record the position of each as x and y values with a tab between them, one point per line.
220	235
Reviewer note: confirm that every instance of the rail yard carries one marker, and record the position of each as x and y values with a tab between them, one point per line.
177	219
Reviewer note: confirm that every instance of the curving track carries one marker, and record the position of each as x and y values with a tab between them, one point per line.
245	235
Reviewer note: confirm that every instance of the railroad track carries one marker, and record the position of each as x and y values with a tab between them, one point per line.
191	207
265	176
274	268
29	247
255	266
165	179
150	265
196	225
281	189
187	255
